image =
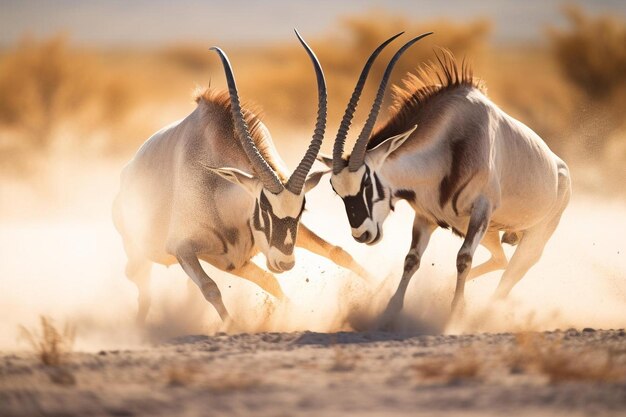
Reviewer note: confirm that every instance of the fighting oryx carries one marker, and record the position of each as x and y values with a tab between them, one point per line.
212	187
461	163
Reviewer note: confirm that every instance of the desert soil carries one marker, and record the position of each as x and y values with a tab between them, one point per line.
572	372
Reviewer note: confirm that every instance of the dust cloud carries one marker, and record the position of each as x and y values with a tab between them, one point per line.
62	257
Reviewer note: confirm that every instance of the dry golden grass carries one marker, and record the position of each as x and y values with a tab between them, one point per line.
50	344
463	366
535	354
189	373
571	89
592	52
230	382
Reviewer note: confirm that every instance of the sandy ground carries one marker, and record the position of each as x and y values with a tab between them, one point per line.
303	373
68	263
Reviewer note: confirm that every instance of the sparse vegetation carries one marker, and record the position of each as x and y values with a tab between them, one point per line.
536	354
463	366
570	89
230	382
50	344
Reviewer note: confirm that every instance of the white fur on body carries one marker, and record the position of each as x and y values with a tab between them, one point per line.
517	185
188	194
168	198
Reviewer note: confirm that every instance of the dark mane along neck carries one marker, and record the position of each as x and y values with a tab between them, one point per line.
432	80
219	101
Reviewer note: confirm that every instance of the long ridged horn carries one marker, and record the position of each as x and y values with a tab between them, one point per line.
297	179
342	133
357	156
265	173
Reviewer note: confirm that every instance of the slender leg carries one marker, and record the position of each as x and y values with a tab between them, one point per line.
312	242
138	271
191	266
533	241
498	258
268	282
526	255
479	220
422	230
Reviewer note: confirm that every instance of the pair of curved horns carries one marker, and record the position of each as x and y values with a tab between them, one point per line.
357	156
266	174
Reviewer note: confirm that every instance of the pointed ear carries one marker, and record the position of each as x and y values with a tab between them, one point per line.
313	179
378	154
325	159
236	176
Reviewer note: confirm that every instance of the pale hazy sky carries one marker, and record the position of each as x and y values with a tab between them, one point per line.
158	22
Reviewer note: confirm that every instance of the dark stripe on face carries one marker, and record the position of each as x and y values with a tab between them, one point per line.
275	228
359	206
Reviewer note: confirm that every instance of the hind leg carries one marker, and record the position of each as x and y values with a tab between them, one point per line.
533	241
498	260
138	271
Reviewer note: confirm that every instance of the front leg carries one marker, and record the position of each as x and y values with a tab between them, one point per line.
312	242
479	220
422	230
188	260
254	273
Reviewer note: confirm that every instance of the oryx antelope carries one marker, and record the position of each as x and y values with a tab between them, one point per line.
461	163
213	187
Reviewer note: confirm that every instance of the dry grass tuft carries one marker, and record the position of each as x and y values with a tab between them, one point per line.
50	344
463	366
536	354
231	382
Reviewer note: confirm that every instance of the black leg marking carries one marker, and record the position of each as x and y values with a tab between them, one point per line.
463	261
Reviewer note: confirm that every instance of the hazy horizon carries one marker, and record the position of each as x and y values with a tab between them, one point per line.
152	23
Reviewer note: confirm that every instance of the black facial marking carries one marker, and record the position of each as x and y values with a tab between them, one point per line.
408	195
275	228
359	206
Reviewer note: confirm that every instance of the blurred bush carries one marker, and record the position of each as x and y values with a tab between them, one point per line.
591	54
46	86
570	89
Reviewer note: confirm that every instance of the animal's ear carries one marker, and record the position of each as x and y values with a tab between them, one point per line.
325	159
313	179
378	154
236	176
